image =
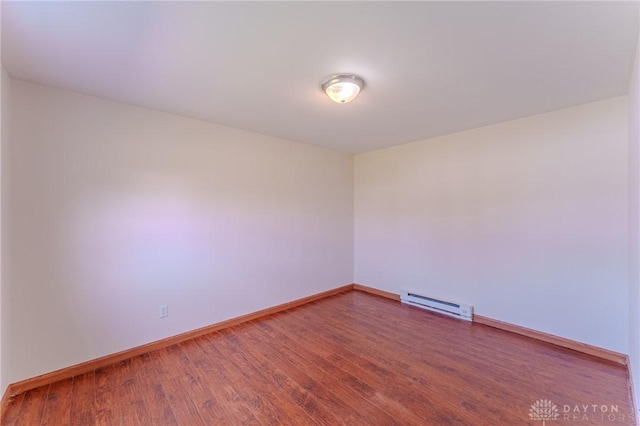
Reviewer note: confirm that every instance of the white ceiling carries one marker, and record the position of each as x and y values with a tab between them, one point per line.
431	68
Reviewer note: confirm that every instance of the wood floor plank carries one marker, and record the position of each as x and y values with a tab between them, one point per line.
354	391
173	381
266	404
395	391
407	360
57	409
292	383
107	410
152	392
32	407
332	399
82	410
10	415
389	386
212	406
128	395
278	378
351	359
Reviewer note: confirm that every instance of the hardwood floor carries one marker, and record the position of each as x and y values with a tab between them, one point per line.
352	359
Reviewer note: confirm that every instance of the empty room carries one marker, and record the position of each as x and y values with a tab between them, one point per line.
334	213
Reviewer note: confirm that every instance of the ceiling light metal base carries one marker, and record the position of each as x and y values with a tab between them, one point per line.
343	88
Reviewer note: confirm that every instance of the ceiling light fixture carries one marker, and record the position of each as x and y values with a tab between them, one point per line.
343	88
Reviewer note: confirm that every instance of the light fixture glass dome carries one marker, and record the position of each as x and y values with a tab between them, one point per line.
343	88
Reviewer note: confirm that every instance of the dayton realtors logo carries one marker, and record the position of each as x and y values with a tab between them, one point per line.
544	410
595	413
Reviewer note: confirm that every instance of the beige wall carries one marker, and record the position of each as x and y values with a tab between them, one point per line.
526	220
5	87
634	224
118	209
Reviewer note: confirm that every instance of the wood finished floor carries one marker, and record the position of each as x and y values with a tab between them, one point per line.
352	359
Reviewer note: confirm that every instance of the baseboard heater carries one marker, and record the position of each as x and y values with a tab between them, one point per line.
445	307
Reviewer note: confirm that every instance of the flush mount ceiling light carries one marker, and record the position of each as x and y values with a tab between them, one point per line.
343	88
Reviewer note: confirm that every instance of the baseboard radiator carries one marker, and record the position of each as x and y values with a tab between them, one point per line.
445	307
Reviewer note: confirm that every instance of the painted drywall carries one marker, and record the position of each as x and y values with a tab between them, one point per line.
526	220
5	90
634	225
117	210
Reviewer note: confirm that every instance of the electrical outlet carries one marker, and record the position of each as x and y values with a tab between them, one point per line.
163	311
